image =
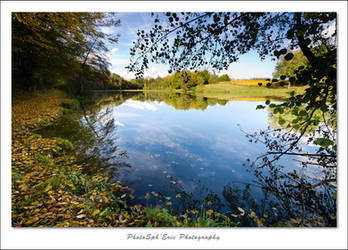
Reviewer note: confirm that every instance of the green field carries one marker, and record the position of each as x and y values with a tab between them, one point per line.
235	91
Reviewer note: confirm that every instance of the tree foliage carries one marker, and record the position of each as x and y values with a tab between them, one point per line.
224	78
288	67
51	48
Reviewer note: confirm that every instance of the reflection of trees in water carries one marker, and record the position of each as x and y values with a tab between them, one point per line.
180	101
101	150
103	100
307	191
92	131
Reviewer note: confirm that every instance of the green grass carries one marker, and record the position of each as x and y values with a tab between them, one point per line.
231	91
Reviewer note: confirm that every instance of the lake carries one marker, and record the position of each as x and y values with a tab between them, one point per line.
178	151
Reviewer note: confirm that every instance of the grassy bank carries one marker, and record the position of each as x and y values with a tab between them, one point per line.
50	189
235	91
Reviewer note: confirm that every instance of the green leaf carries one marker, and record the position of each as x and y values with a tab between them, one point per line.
281	121
315	122
324	142
260	107
302	113
295	120
268	102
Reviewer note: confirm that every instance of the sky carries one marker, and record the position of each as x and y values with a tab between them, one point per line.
248	66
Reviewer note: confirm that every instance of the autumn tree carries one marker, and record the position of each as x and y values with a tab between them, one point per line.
50	48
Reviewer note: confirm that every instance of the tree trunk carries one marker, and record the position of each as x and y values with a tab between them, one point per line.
301	41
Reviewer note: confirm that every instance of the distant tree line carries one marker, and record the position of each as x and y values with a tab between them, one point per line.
180	80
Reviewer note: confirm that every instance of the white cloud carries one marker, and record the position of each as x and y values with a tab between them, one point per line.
142	105
119	62
156	70
125	114
112	51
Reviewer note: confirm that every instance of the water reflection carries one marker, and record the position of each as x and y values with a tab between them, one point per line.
92	129
177	150
180	101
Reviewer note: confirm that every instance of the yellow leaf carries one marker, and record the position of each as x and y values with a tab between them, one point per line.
31	220
121	219
35	203
50	202
49	187
44	171
209	212
95	212
81	205
123	196
194	211
127	216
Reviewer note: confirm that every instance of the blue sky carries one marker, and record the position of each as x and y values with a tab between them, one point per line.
248	66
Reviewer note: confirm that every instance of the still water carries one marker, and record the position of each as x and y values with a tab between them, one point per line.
180	149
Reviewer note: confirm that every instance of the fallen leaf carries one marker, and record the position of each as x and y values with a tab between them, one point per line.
49	187
31	220
95	212
241	210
